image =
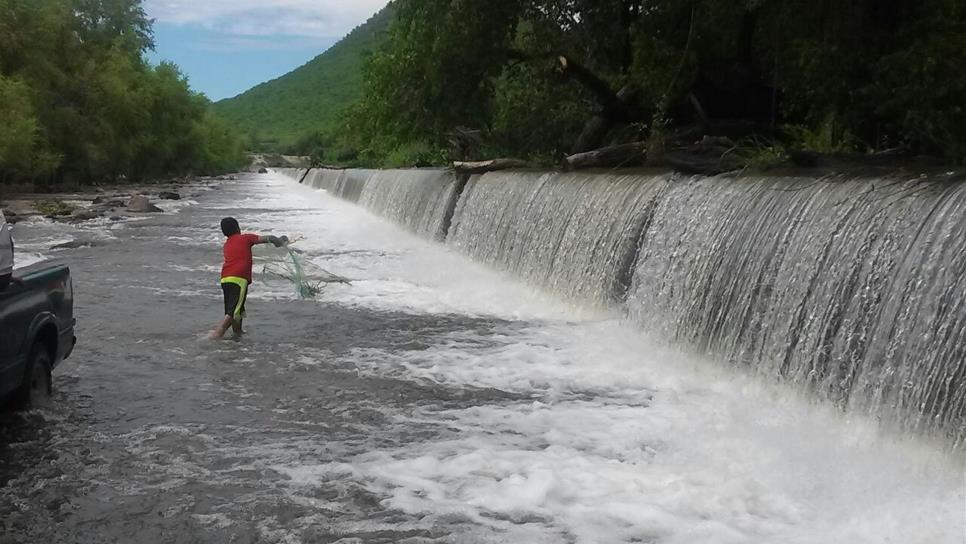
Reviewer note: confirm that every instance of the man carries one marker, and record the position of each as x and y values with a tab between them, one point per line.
236	273
6	253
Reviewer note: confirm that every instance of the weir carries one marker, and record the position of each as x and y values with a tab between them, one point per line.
574	234
850	287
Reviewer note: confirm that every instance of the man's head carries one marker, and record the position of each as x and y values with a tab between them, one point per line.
229	226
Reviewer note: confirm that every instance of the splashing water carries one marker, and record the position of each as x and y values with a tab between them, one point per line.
285	263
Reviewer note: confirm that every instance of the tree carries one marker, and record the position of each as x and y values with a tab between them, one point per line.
606	71
22	150
85	105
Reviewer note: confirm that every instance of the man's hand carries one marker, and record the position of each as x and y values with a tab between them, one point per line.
278	241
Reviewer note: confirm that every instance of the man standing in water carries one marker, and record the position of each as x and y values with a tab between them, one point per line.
236	273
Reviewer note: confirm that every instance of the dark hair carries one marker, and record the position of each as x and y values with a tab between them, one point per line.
229	226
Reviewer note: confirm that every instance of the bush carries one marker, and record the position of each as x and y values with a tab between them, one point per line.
54	207
416	154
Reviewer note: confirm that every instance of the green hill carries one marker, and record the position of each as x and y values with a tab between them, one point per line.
310	98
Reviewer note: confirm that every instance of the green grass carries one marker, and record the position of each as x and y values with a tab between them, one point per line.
308	99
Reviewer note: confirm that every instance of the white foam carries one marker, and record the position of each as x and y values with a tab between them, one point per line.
24	259
605	436
392	269
656	446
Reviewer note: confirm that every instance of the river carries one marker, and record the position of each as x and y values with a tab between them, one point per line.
433	400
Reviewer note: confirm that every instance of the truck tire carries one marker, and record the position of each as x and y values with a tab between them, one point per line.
36	389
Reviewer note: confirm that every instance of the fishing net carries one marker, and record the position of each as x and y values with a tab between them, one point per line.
287	263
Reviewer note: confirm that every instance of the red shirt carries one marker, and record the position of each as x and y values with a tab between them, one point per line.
238	256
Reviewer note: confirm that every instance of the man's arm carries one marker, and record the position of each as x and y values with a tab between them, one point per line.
277	241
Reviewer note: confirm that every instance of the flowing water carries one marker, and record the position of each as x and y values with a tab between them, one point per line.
570	233
854	288
433	400
850	288
415	199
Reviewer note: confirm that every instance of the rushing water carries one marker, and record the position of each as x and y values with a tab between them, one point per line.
574	234
416	199
851	288
345	184
434	400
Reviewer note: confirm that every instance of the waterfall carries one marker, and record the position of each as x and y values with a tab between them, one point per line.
422	200
345	184
415	199
575	234
851	288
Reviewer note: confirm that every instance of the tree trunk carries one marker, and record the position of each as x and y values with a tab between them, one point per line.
618	155
482	167
593	134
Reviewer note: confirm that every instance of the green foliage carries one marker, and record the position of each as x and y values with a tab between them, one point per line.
843	76
22	149
923	90
414	154
310	99
763	156
829	137
54	207
86	106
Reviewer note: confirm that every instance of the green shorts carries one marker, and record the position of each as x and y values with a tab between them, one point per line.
235	290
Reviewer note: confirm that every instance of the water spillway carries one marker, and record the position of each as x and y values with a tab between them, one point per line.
415	199
345	184
852	288
574	234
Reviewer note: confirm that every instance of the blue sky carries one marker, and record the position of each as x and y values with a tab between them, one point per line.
226	47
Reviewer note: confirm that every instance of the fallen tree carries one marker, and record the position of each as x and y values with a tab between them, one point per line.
631	154
482	167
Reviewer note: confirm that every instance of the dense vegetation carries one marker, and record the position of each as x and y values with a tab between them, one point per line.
543	78
289	113
79	102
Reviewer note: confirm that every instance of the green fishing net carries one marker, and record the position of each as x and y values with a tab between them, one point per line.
288	263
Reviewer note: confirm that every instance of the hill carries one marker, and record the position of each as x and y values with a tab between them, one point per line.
308	99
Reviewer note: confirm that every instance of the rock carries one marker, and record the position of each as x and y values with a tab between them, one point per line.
76	244
263	170
84	215
169	195
111	204
141	204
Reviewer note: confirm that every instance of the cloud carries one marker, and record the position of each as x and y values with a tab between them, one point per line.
321	20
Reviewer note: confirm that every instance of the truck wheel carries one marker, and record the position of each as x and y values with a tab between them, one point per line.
36	389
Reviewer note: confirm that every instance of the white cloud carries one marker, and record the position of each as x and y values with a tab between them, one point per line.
314	19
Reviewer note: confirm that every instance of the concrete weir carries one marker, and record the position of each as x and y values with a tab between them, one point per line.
850	287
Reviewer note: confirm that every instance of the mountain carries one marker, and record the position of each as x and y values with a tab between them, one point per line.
310	98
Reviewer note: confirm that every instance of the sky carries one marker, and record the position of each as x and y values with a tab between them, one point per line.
225	47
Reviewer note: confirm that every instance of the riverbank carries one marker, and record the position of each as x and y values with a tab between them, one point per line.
104	201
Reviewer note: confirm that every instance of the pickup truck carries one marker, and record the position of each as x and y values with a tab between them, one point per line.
36	332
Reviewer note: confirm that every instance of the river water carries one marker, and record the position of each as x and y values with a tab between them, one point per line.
433	400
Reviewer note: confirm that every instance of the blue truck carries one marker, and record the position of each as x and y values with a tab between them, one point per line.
36	327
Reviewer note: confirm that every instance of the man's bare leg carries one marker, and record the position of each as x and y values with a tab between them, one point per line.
236	327
219	331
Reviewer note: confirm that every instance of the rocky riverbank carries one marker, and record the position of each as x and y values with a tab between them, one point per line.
114	202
